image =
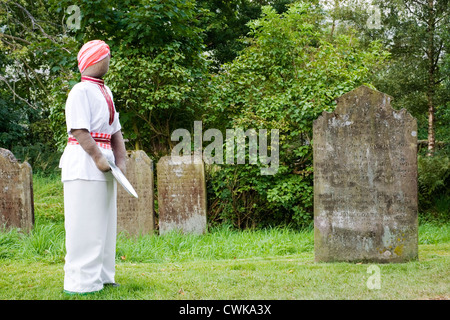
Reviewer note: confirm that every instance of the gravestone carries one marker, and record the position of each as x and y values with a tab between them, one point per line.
365	181
16	193
181	195
135	216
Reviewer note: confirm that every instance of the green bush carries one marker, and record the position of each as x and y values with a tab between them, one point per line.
240	196
434	186
288	75
41	157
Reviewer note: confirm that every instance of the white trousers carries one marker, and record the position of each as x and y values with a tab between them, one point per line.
90	212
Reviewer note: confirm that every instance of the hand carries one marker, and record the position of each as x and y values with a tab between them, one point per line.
102	164
86	141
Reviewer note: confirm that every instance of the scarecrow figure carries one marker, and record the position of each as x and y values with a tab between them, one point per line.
90	190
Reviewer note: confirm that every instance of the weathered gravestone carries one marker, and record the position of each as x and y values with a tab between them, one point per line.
365	181
135	216
16	193
181	195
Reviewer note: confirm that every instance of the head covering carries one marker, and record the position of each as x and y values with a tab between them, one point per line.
91	53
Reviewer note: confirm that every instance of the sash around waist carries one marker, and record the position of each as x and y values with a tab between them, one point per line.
103	140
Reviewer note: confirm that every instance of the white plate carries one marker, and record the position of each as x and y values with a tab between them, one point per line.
120	177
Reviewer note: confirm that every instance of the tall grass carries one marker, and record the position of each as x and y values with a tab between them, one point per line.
434	233
46	241
48	198
218	243
43	243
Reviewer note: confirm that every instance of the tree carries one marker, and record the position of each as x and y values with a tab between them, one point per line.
414	31
419	38
416	34
156	68
289	74
32	53
225	25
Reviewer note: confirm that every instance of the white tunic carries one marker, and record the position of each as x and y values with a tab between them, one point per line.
86	108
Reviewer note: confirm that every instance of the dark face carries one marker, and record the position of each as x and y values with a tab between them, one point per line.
98	70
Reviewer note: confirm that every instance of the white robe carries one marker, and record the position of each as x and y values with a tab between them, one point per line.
90	196
91	223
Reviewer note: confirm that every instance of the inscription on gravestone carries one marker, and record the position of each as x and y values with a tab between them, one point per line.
181	195
365	181
16	193
135	216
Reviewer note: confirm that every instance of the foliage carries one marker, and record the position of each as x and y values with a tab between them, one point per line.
226	23
156	66
434	186
416	34
155	95
288	75
33	52
231	64
12	128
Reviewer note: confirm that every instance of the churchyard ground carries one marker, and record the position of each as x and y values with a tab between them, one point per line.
276	264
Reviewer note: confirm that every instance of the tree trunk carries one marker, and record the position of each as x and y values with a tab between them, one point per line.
334	14
431	137
137	145
431	76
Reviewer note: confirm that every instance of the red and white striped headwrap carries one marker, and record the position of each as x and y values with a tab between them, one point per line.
91	53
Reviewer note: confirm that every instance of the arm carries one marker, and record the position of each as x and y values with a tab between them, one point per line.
86	141
119	150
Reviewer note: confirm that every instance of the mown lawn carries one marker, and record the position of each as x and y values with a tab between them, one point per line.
282	277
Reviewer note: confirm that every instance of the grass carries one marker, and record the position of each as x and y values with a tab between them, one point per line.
292	277
218	244
273	263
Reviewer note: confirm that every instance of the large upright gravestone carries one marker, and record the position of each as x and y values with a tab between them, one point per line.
135	216
365	181
16	193
181	195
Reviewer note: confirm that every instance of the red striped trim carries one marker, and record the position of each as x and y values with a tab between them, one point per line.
101	85
110	104
103	140
92	79
101	135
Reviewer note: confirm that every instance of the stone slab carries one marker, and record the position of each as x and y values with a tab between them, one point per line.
181	195
365	181
16	193
136	216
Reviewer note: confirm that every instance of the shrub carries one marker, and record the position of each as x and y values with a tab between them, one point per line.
434	186
288	75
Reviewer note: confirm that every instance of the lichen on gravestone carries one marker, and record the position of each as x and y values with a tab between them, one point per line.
16	193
